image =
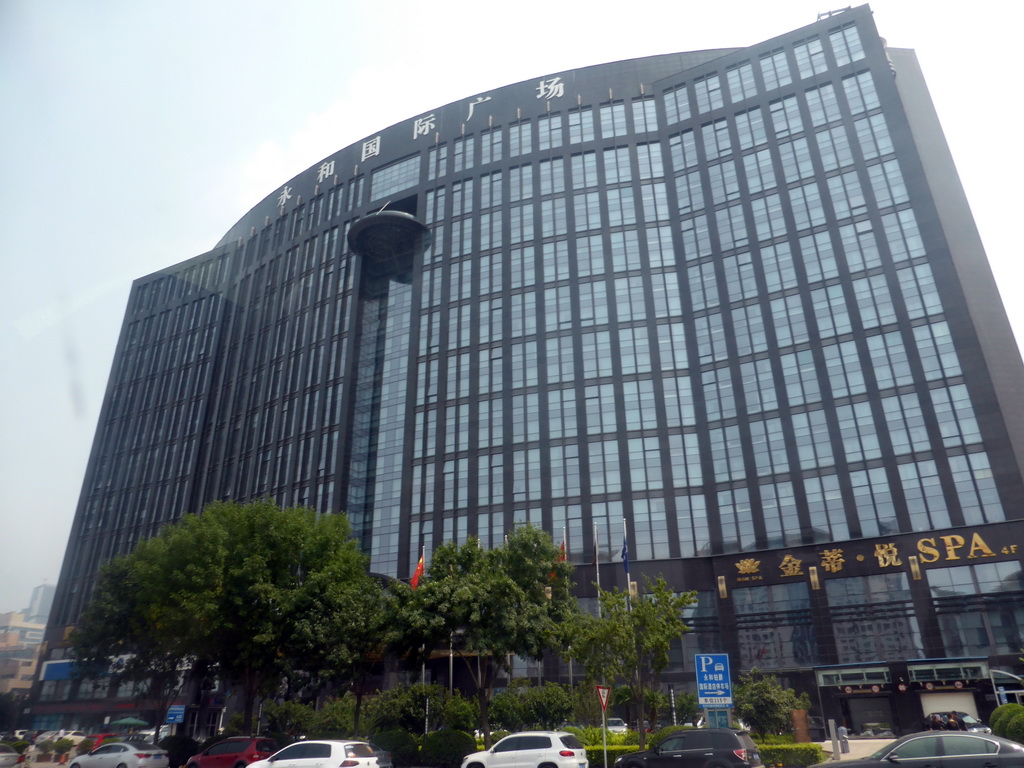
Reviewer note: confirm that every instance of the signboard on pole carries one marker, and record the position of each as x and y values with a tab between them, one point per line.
602	694
176	713
714	682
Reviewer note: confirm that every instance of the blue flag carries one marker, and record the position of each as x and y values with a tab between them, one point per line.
625	554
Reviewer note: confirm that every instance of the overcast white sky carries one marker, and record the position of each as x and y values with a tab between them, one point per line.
134	134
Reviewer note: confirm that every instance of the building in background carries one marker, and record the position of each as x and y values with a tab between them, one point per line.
730	304
21	636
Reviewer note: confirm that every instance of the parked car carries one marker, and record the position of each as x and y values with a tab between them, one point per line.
948	749
123	754
974	725
9	756
616	725
233	753
384	759
312	754
531	749
718	747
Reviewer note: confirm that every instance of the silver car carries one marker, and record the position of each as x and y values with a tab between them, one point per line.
123	754
8	756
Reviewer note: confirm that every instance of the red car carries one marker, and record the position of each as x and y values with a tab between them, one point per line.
233	753
99	738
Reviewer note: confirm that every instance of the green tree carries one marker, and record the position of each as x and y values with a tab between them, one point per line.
630	641
343	621
291	717
414	708
762	703
336	715
229	586
548	705
491	605
656	701
121	632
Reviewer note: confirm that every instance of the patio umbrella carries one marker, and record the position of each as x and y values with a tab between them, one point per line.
130	722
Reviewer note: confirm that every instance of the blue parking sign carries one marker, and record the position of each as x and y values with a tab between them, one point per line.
714	682
176	713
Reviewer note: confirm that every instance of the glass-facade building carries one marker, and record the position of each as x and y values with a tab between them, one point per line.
728	304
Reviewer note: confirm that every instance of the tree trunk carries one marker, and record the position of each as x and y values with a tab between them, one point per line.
359	707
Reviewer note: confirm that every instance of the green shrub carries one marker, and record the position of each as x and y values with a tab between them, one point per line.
1013	727
84	746
631	738
179	749
45	747
792	755
402	745
20	746
596	755
445	749
1001	715
62	746
776	738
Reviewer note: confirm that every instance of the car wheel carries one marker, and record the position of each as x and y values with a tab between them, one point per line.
475	765
122	765
75	765
547	765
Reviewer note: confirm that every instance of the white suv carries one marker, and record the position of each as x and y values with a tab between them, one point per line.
531	749
313	754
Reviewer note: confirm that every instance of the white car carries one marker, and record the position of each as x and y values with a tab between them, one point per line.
617	725
123	754
531	749
313	754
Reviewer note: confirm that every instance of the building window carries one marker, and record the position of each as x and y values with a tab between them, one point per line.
395	177
980	608
873	618
774	626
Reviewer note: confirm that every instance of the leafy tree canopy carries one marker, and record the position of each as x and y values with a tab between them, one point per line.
630	640
491	605
764	705
228	586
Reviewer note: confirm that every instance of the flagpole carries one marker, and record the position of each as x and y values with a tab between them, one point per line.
597	568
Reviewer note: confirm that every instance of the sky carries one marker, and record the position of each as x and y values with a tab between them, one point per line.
133	135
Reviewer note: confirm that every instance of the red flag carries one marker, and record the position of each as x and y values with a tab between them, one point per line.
415	580
561	552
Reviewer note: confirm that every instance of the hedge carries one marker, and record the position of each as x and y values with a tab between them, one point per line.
1013	727
791	755
446	748
1001	716
401	744
595	754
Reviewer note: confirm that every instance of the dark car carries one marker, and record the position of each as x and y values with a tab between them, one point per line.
946	749
234	753
699	748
